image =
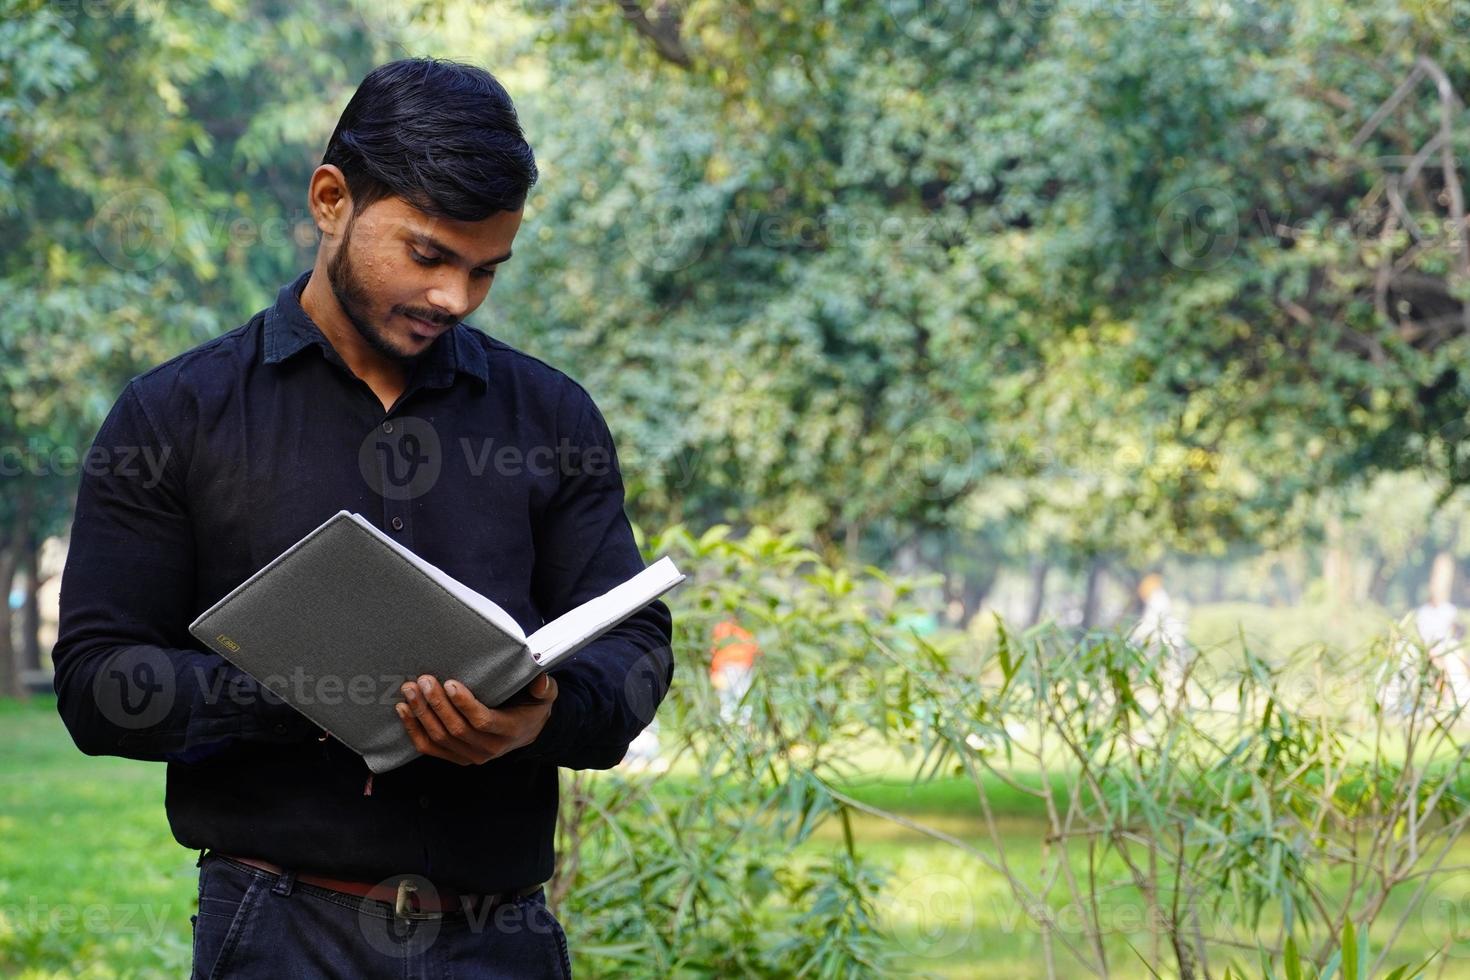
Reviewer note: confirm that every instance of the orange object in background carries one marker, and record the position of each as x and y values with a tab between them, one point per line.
734	646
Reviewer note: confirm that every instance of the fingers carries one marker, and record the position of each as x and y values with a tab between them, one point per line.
486	724
443	726
475	713
426	707
421	740
448	722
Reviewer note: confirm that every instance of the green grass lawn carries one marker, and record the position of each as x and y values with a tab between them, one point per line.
92	883
952	916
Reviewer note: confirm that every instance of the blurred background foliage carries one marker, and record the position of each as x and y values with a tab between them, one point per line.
1090	283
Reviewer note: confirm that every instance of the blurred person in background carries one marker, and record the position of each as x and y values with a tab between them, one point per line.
1159	628
1431	657
732	667
1438	625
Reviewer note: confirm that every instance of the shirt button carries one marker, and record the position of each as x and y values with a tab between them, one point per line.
387	426
423	802
397	523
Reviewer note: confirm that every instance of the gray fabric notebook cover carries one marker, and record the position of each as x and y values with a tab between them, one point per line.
355	618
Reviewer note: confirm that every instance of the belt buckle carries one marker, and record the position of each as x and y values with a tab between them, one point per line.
400	902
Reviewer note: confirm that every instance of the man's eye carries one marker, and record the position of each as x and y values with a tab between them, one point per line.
485	273
423	259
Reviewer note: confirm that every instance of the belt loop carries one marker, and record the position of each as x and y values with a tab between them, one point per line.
200	862
285	881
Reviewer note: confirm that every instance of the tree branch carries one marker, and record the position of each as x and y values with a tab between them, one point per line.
662	30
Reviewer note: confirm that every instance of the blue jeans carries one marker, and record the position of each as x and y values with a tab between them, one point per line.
255	925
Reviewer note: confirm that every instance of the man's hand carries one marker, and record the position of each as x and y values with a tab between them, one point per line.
448	722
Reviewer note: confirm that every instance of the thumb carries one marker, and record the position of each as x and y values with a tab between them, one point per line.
543	687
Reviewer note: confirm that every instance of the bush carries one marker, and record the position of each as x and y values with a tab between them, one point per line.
1232	802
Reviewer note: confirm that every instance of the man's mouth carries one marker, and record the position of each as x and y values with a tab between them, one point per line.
423	328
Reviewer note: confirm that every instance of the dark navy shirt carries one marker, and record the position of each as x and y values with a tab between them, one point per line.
492	465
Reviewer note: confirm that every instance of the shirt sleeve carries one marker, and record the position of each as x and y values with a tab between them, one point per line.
130	679
608	691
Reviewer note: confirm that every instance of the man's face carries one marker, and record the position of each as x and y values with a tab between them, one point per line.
404	277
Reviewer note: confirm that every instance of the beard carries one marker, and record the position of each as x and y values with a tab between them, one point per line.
353	298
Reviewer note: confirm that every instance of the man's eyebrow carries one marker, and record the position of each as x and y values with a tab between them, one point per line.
449	253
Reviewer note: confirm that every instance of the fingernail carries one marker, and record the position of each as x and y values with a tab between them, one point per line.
451	687
410	692
424	685
402	711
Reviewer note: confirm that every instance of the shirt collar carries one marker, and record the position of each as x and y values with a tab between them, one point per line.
288	330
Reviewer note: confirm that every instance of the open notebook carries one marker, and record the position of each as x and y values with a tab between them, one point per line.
339	620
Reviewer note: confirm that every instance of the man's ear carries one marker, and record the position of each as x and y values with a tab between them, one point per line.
329	200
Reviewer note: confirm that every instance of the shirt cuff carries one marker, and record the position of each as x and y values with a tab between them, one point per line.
560	732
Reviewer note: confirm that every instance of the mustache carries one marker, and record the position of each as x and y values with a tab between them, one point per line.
437	319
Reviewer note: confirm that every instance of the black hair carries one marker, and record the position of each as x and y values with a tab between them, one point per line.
440	134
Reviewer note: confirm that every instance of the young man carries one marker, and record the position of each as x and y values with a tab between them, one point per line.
361	389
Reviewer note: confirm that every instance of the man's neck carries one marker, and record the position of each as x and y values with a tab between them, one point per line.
319	303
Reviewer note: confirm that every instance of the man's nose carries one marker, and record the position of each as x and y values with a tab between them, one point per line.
450	297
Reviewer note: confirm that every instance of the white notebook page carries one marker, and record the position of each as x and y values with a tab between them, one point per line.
572	630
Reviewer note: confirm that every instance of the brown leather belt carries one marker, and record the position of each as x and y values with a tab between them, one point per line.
424	904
